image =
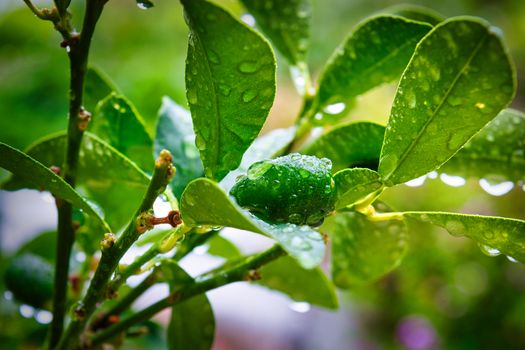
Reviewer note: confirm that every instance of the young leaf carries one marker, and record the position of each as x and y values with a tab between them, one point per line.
264	147
192	325
97	86
36	175
110	179
362	250
175	133
117	122
311	286
350	145
459	78
415	13
230	83
505	235
205	203
355	184
375	53
286	24
496	152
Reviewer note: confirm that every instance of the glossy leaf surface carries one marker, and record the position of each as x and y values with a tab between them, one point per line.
230	85
349	145
192	324
312	286
459	79
111	180
117	122
376	52
287	24
205	203
33	174
175	133
496	152
505	235
362	250
355	184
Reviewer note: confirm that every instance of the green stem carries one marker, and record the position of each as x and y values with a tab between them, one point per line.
163	246
201	285
78	58
124	303
111	255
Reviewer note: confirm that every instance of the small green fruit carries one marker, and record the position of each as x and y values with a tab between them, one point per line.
30	279
295	188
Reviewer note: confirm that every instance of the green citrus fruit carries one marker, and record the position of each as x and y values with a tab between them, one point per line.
295	188
30	279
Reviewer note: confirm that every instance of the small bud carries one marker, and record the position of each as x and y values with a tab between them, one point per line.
55	169
107	242
83	119
143	222
79	312
253	275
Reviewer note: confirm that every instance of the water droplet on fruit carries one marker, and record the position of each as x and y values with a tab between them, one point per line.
248	19
144	4
335	108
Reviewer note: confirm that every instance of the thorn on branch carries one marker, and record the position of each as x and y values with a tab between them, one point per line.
173	219
107	242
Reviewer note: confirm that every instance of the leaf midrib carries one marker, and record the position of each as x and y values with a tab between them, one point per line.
404	155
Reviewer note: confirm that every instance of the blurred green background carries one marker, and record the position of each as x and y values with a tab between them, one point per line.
445	295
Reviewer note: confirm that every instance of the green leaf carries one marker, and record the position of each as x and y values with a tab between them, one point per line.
205	203
221	247
376	52
117	122
36	175
416	13
109	178
459	79
175	133
496	152
230	85
362	250
355	184
286	24
356	144
505	235
312	286
264	147
192	325
97	86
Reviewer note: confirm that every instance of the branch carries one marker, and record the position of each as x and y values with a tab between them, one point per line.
78	58
113	250
240	272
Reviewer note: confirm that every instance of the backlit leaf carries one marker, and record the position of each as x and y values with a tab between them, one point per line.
362	250
505	235
287	24
230	85
376	52
459	79
497	152
416	13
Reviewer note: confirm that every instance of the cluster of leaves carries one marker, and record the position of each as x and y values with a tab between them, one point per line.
455	79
